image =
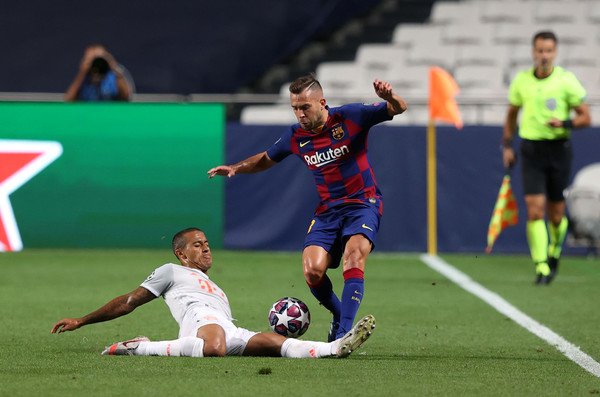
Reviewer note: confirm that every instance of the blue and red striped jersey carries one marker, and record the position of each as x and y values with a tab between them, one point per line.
337	156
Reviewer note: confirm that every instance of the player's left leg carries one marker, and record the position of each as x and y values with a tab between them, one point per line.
275	345
355	256
323	250
359	231
272	344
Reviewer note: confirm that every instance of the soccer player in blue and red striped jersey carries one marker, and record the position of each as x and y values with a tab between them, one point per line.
332	142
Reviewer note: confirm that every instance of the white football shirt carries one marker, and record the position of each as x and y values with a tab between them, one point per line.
183	288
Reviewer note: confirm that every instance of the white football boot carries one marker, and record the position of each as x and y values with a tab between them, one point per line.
361	331
125	348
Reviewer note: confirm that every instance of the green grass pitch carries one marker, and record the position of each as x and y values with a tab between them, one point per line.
432	337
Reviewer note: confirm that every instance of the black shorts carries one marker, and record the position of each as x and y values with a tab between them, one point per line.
546	167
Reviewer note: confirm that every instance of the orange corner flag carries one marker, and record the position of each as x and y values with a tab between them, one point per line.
442	90
505	213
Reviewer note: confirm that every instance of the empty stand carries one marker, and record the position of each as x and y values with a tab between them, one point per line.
408	35
445	13
267	114
480	80
483	44
505	12
339	77
467	34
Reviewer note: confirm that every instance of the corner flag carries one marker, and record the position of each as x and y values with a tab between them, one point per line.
442	90
505	213
442	106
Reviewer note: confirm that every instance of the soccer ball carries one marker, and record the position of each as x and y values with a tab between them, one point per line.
289	317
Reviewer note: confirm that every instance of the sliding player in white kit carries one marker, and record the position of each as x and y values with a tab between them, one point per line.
202	311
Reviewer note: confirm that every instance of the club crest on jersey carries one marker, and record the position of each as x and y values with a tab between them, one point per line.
337	132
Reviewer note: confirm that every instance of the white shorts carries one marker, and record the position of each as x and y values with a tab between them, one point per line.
236	338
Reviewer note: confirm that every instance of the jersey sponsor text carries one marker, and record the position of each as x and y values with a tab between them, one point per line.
319	159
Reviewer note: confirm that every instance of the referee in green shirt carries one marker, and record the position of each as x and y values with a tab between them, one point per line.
547	94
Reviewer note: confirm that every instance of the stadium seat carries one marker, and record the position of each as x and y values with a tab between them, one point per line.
469	34
410	81
513	33
267	114
575	55
593	12
416	116
520	55
432	55
506	11
589	76
480	80
494	113
480	55
338	78
412	34
595	113
379	58
484	113
550	12
462	12
573	33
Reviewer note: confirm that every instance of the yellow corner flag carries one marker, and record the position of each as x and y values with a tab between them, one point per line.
505	213
442	90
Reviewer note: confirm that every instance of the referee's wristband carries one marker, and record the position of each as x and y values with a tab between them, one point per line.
568	123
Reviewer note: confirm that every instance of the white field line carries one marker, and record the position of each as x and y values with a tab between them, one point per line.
500	304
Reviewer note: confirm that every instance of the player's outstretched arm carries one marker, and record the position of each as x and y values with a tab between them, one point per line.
117	307
257	163
395	103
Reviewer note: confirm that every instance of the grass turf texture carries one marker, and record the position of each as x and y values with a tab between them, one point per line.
432	338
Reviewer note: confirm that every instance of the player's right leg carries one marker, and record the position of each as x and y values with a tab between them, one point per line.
315	262
141	346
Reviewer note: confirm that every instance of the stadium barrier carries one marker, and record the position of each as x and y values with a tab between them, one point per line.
129	175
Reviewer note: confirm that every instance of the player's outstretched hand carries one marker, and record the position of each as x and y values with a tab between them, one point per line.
223	170
383	89
66	324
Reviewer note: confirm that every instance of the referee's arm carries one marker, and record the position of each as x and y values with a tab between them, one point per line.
582	118
508	133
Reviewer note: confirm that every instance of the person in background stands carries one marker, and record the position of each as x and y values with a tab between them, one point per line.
100	78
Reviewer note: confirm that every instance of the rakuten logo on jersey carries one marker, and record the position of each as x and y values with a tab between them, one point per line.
319	159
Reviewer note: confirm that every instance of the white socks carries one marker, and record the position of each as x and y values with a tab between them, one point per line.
294	348
188	346
191	346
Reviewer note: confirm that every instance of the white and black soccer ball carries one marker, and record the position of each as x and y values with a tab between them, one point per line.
289	317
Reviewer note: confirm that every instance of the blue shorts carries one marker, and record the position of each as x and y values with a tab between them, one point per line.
332	229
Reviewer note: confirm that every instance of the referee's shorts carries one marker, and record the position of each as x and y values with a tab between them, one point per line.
546	167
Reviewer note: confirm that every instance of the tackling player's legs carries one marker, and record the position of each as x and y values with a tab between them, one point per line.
249	343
